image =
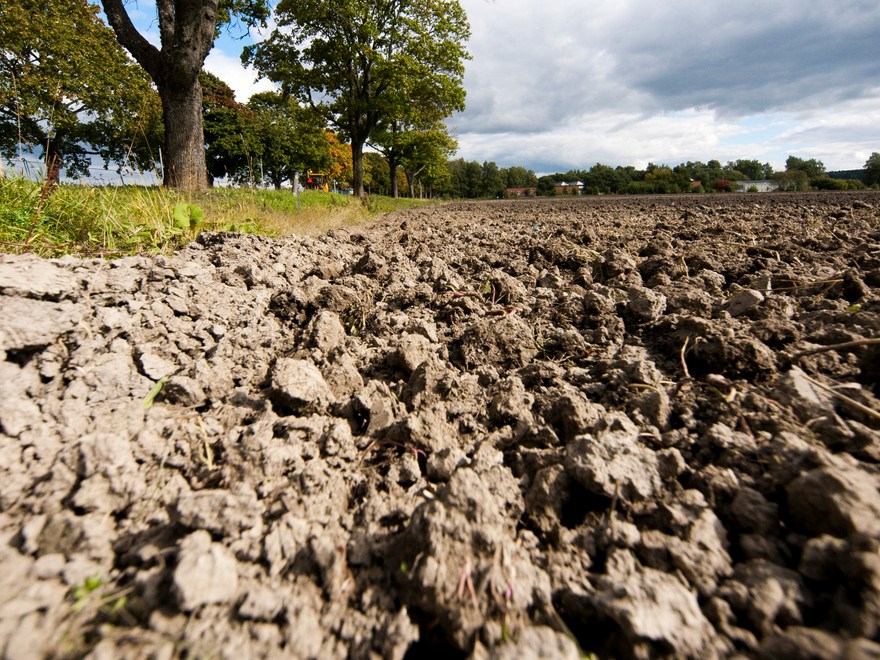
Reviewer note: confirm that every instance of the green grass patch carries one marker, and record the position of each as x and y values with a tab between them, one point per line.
110	221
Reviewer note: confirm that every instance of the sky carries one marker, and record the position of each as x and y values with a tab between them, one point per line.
561	85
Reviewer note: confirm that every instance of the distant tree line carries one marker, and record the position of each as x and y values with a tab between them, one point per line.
473	180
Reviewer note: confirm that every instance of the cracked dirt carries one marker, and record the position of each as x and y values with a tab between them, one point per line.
632	427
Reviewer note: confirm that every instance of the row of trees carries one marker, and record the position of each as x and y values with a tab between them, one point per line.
799	174
383	73
487	180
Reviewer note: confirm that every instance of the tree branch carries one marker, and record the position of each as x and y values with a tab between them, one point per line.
146	54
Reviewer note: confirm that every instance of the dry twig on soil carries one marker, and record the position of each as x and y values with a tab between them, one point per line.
834	347
845	399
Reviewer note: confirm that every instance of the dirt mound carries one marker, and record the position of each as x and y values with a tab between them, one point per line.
633	427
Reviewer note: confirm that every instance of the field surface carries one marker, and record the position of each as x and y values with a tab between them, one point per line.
628	427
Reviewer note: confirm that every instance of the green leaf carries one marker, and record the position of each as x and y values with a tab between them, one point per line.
180	216
196	214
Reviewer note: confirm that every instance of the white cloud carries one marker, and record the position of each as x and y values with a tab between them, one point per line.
231	71
561	85
564	84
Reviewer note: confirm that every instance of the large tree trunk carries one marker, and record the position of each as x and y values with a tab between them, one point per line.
185	166
53	162
392	168
357	166
186	30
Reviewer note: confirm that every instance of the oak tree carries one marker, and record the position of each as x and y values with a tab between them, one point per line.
357	62
187	29
54	99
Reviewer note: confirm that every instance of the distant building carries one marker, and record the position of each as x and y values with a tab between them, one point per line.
756	186
569	188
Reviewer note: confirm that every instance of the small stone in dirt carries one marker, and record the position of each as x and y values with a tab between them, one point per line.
154	364
537	642
206	572
184	391
653	608
799	643
261	603
549	491
753	513
441	464
412	350
299	383
612	460
767	593
743	301
511	402
835	500
645	305
398	633
326	331
821	556
572	414
26	323
29	276
220	511
507	341
793	388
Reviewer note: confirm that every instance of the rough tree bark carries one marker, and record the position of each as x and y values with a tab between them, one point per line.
357	166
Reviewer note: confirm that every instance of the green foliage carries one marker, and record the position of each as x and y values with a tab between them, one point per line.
813	168
424	156
827	183
231	131
792	180
519	177
492	183
291	138
55	99
377	176
187	216
751	169
271	136
361	63
871	176
466	179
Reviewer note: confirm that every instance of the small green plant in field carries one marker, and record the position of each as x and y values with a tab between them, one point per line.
94	603
92	593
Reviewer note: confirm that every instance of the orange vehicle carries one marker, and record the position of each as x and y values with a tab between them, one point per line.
317	181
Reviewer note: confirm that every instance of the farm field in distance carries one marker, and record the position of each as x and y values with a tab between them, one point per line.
621	426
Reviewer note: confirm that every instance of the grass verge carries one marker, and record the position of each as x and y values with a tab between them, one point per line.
111	221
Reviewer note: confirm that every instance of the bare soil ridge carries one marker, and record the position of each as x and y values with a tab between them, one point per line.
628	426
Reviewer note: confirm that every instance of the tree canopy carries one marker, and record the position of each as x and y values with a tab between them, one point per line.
53	98
871	176
358	63
231	132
